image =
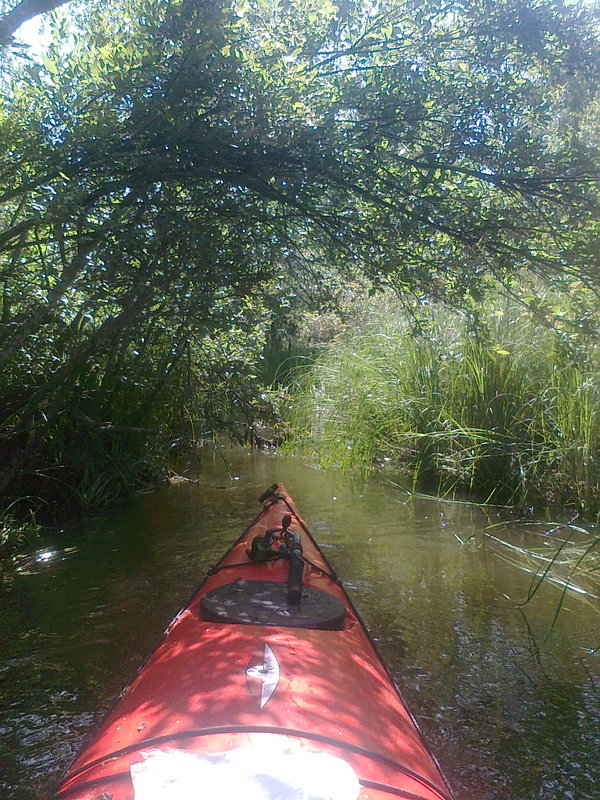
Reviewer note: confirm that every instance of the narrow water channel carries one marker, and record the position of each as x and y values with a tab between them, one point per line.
508	700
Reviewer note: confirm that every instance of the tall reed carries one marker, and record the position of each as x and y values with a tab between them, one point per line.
507	408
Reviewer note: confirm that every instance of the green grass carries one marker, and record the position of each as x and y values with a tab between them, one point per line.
507	410
16	534
281	365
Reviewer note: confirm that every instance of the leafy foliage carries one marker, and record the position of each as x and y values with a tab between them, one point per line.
166	166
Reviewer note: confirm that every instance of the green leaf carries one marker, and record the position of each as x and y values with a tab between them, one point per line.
50	65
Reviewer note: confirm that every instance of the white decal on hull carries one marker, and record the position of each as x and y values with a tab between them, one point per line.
262	675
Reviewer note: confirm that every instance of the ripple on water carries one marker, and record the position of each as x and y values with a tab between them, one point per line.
507	701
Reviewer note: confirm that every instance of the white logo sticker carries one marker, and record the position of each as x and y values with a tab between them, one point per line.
262	675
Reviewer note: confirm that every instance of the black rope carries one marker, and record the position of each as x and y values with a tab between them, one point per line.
383	787
218	567
380	787
210	731
332	576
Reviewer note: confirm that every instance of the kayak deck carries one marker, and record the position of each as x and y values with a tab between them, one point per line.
290	690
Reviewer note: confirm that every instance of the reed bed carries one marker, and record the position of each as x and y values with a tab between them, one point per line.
506	409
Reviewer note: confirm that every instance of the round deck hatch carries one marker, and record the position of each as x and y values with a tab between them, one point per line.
265	603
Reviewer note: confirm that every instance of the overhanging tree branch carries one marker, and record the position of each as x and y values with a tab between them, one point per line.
12	20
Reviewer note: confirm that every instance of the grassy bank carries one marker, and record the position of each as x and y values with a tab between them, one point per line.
135	411
507	408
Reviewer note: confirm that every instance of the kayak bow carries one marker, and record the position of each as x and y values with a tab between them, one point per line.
266	685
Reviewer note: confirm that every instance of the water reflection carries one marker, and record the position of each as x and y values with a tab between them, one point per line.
32	563
506	696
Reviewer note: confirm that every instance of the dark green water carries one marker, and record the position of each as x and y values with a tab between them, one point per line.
511	709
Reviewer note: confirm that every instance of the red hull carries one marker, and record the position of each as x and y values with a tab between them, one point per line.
214	687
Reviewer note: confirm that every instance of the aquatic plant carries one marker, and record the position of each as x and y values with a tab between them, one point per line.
503	403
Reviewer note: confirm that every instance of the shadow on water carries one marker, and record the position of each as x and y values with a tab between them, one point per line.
512	712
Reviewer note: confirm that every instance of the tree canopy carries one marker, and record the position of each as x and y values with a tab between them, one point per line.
165	163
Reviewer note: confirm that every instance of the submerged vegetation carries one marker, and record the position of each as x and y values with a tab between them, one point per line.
504	404
563	554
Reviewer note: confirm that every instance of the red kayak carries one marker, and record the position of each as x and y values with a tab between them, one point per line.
265	686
